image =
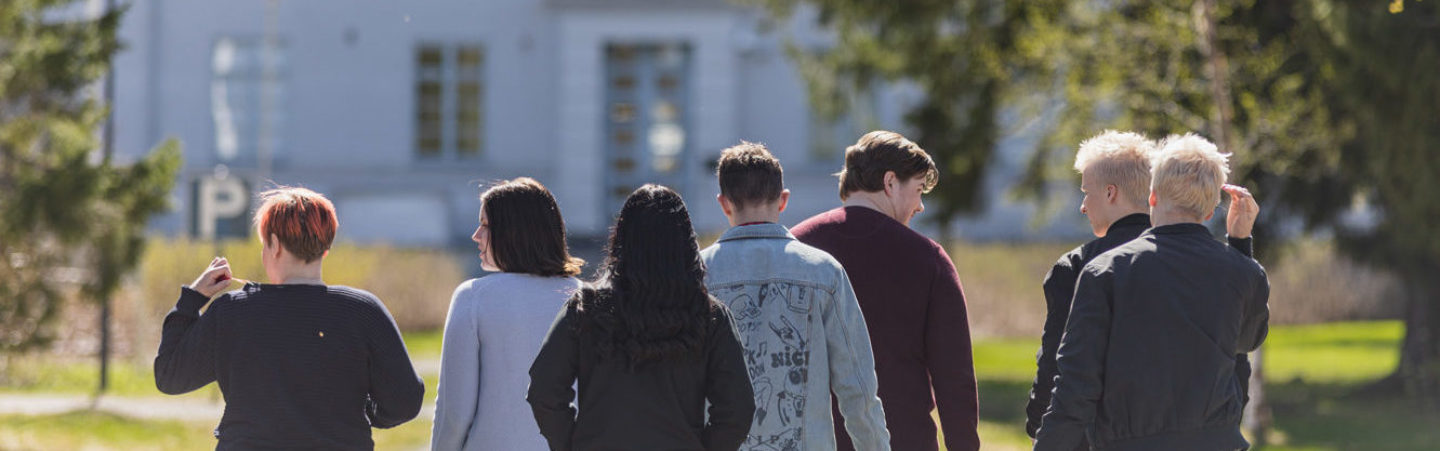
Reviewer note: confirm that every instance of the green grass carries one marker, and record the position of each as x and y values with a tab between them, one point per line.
130	377
424	345
98	430
1315	377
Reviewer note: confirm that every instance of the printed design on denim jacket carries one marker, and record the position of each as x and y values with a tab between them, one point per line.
774	323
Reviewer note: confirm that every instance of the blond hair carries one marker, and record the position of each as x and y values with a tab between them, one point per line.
1188	174
1121	159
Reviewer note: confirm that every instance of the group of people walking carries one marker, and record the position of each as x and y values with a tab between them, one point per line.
845	331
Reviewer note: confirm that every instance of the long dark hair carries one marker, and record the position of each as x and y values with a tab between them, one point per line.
649	303
527	234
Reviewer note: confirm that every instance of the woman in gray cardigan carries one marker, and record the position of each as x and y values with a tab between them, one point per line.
496	323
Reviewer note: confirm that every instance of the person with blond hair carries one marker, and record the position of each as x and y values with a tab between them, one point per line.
496	322
1114	169
1147	360
301	364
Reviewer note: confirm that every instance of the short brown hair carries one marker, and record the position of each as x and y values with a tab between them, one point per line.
749	175
303	221
527	234
879	152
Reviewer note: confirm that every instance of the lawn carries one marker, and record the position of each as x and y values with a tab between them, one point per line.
1315	374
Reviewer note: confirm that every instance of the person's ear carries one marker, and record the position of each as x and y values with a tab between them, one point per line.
890	180
1152	198
784	200
1209	215
277	248
725	205
1112	194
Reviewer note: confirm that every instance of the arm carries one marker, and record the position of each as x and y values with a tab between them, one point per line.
186	360
396	391
727	387
949	359
1059	286
1081	360
551	378
1257	315
457	392
852	368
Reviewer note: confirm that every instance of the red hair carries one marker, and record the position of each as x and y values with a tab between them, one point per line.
302	220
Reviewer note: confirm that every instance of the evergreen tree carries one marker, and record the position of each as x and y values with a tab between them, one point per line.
69	217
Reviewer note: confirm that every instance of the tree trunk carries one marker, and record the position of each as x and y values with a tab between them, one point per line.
1419	369
1257	419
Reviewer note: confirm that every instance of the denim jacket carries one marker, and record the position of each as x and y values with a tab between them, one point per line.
804	337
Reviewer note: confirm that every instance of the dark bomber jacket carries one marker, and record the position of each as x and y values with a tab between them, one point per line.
1059	288
1148	356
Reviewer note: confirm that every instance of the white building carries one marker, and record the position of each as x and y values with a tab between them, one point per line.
402	111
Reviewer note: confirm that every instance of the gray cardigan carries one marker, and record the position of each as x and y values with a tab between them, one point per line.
493	330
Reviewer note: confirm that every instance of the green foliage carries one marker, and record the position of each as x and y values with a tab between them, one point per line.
1325	104
68	218
960	54
86	429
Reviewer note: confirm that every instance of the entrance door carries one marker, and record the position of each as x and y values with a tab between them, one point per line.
646	113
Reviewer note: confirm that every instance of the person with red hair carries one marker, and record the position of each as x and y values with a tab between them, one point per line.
301	364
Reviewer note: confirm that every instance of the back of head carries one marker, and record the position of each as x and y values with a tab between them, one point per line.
649	303
1121	159
527	233
749	175
1188	173
303	221
879	152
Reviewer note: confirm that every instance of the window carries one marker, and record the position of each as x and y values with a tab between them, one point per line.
247	88
449	99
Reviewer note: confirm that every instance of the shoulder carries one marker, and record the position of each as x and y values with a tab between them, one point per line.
1245	263
1075	259
828	270
819	224
709	251
355	297
1121	256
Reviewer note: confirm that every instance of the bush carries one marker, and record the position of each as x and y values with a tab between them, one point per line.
1309	283
415	284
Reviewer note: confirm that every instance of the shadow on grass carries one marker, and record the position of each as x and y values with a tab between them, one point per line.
1348	417
1003	401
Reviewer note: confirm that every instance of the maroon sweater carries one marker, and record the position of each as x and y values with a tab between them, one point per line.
915	310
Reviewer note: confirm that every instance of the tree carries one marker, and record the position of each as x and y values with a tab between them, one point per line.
1327	105
68	215
960	54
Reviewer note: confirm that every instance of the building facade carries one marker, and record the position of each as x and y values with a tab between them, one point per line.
402	112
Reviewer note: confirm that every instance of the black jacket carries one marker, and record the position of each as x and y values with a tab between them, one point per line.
657	406
1059	288
1147	360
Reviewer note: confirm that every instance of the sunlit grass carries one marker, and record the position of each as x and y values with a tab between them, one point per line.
1315	374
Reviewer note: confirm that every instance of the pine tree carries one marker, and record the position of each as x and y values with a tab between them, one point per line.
69	217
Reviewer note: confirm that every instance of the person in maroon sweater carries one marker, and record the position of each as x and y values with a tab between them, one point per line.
908	291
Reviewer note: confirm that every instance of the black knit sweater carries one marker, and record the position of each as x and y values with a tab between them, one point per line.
300	366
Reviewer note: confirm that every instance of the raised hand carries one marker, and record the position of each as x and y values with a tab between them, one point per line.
215	278
1240	220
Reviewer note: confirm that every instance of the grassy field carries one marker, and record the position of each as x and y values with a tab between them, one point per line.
1315	374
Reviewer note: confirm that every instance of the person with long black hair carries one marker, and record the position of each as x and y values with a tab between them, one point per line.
647	344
